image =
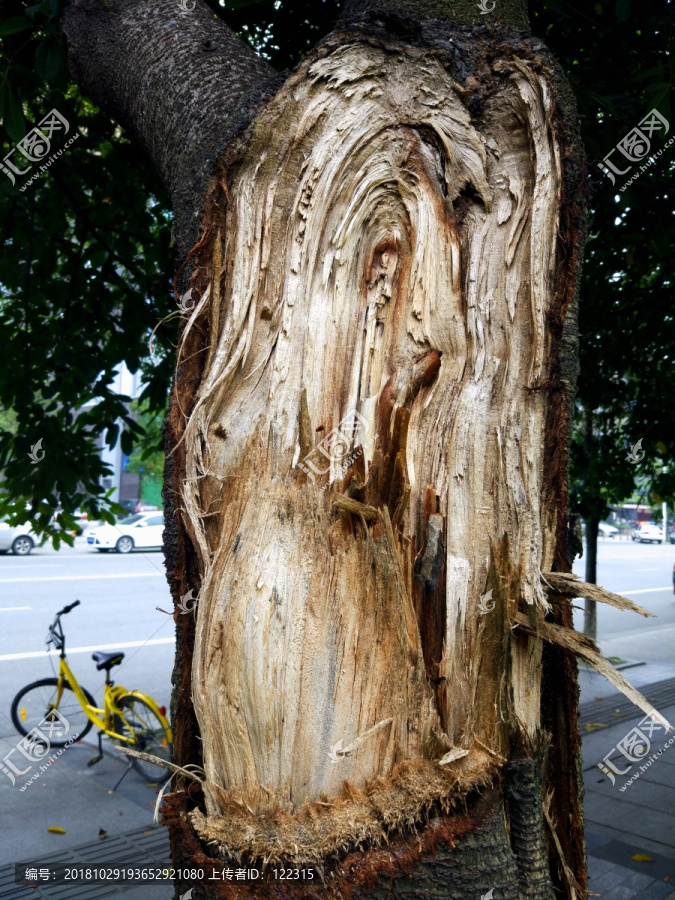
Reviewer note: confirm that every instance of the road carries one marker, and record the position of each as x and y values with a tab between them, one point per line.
644	573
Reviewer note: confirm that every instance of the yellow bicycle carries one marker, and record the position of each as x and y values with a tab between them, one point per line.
58	711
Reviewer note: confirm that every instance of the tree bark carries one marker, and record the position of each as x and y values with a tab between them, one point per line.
591	577
368	454
183	85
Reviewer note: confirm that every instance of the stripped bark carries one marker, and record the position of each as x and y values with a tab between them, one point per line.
383	242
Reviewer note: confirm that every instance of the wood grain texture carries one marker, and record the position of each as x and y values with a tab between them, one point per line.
379	294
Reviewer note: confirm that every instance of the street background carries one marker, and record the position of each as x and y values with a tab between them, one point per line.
119	595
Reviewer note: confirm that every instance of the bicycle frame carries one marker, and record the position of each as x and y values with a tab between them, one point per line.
103	718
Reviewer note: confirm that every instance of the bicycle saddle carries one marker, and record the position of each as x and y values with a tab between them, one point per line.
106	660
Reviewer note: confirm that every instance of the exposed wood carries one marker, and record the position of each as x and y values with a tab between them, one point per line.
355	818
386	259
568	585
587	649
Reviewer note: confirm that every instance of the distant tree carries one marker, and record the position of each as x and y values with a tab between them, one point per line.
84	279
147	457
619	59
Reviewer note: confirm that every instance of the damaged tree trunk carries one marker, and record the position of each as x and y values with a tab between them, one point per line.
367	443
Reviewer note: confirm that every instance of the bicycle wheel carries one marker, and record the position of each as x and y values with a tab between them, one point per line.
32	706
147	733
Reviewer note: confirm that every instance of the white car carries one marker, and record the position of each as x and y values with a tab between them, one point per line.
142	531
647	533
19	539
605	530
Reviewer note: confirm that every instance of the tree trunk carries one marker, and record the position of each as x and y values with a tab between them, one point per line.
368	453
590	609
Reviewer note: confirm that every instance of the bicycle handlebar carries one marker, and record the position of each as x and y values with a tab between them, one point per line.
55	633
67	609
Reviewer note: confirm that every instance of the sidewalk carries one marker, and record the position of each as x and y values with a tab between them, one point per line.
102	828
639	821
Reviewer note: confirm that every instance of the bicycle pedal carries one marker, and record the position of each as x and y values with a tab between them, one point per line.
92	762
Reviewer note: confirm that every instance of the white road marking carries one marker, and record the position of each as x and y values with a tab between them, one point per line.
648	570
84	577
668	587
31	566
38	653
11	608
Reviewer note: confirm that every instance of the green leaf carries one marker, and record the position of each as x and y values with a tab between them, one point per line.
126	442
49	59
12	114
14	25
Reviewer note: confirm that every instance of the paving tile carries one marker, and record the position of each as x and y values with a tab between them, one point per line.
597	867
644	844
656	891
660	774
620	853
634	821
609	879
594	840
643	792
629	888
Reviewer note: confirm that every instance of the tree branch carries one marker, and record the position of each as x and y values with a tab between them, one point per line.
182	83
457	12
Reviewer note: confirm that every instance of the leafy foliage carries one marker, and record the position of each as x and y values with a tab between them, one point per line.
147	457
618	57
84	278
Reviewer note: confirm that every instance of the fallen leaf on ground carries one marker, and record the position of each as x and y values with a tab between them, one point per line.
102	833
641	857
55	830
